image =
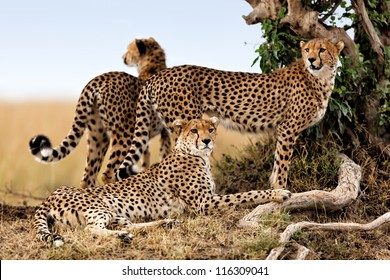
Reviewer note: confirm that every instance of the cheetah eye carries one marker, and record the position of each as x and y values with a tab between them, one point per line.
211	130
307	50
194	130
322	50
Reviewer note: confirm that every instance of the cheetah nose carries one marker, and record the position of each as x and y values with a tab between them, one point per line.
206	141
311	59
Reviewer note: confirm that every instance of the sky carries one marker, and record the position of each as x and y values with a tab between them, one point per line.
49	50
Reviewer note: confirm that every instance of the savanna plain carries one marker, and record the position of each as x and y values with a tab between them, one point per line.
240	163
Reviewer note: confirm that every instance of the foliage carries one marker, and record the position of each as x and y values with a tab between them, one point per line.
273	53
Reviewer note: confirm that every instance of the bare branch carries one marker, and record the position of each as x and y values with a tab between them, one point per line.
286	235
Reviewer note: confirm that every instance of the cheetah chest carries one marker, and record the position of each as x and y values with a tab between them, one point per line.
320	111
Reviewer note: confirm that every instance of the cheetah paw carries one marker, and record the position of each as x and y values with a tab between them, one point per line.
58	240
282	195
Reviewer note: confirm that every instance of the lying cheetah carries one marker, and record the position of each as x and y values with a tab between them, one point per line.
107	108
283	103
182	181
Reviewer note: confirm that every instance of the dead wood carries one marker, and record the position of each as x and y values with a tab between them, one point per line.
286	235
344	194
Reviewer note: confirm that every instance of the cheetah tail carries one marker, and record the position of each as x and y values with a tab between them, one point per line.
42	220
40	145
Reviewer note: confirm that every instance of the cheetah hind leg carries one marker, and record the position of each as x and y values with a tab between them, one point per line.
97	144
165	144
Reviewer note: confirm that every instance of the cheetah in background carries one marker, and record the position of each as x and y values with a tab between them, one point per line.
106	108
182	181
284	102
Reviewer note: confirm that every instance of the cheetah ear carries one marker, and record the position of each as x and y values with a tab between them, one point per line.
214	121
302	43
141	46
340	46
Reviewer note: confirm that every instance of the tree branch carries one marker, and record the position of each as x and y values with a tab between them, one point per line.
262	9
373	37
334	8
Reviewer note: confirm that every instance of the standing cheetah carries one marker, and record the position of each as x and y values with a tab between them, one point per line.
107	108
284	102
182	181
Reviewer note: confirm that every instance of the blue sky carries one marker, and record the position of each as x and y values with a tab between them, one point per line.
51	49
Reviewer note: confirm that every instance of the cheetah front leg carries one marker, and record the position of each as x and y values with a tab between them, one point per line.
217	202
117	154
128	225
286	139
139	142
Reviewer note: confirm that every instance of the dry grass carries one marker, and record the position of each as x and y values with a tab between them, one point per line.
207	237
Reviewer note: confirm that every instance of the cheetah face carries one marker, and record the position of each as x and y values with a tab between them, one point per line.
320	55
136	50
196	137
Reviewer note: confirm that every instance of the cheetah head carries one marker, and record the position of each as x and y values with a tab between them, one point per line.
321	56
137	50
196	137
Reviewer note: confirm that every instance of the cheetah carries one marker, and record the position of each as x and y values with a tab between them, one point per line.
180	182
282	103
107	108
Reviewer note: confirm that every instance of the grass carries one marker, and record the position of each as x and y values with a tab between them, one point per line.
237	167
